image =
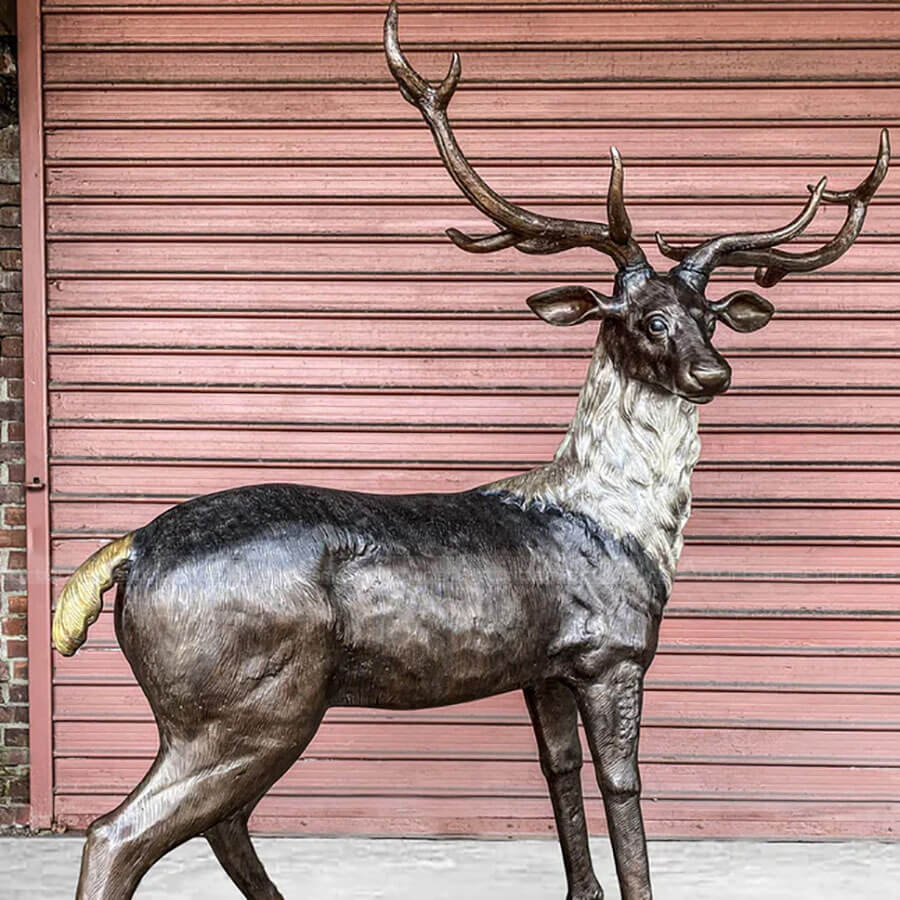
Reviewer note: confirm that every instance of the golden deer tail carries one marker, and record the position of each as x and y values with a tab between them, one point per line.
81	599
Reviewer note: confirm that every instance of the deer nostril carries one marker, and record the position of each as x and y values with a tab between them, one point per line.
711	378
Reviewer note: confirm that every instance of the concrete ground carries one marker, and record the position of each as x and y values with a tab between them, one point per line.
335	869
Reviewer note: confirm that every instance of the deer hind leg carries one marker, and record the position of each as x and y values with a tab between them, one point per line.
231	843
190	789
554	714
611	710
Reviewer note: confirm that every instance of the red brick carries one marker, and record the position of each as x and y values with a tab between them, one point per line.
14	815
12	537
10	323
11	301
11	259
14	581
14	515
15	737
12	451
4	671
14	756
20	670
16	561
10	236
10	282
14	626
18	605
18	788
11	346
12	493
15	388
17	649
16	431
18	693
11	367
13	715
10	409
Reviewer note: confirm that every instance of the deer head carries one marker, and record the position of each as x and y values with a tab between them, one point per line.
656	327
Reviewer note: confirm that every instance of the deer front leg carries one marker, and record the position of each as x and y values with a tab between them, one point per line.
611	710
554	714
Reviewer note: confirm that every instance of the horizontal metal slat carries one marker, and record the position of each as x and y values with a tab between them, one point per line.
804	560
168	218
513	410
256	293
508	817
126	478
72	372
236	6
563	141
617	65
338	777
518	332
157	413
775	103
106	519
389	258
423	743
702	182
469	26
717	707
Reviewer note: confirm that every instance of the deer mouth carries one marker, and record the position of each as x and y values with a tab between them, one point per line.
698	399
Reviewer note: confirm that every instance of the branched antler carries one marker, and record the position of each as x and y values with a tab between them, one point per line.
527	231
759	249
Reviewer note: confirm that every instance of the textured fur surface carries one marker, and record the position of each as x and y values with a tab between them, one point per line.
391	593
625	462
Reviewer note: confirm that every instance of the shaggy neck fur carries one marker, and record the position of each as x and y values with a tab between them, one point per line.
625	462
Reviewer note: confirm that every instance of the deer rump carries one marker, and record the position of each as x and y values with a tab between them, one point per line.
390	601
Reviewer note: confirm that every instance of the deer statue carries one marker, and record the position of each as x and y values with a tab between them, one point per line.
246	614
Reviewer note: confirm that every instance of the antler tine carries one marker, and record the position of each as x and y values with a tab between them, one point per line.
528	231
866	189
705	257
488	244
416	89
619	223
772	264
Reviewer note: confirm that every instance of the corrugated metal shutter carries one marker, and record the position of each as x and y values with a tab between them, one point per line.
248	282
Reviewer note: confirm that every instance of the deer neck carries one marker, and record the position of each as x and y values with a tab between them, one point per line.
625	462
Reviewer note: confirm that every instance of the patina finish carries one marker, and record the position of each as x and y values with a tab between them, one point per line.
246	614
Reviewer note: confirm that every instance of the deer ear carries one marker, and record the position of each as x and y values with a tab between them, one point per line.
572	304
743	310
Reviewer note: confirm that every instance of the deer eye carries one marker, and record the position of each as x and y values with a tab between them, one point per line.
657	326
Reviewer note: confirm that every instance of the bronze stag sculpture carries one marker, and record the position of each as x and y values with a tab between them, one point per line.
246	614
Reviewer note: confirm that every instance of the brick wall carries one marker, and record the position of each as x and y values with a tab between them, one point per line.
13	655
